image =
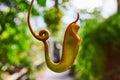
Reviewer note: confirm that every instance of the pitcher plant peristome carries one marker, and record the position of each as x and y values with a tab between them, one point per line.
70	46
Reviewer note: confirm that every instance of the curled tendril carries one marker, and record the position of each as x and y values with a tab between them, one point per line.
70	46
43	34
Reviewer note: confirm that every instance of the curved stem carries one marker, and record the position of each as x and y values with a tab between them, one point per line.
43	34
28	20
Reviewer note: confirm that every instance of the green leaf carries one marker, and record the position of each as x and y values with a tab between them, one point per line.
65	0
41	2
35	12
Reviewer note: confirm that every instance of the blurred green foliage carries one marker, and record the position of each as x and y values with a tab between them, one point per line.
52	18
96	33
13	42
14	38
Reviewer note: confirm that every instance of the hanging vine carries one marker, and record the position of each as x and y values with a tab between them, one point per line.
70	46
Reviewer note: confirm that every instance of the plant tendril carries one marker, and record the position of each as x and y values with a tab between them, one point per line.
43	34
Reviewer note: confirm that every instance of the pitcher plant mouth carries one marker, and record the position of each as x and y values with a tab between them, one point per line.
75	28
70	46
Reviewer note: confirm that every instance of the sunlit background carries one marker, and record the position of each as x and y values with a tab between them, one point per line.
22	56
106	8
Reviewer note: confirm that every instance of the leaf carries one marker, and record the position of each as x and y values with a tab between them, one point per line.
35	12
65	1
41	2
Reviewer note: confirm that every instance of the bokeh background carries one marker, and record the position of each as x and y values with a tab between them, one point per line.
22	56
